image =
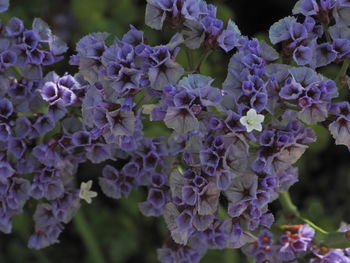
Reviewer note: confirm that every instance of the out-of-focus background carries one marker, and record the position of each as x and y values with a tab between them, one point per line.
124	235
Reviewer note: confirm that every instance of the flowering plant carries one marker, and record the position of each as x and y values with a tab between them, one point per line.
229	151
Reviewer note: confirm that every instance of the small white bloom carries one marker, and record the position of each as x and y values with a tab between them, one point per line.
252	121
85	192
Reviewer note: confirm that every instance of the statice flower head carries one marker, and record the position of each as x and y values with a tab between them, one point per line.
227	153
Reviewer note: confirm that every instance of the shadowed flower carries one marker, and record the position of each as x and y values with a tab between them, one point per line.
85	192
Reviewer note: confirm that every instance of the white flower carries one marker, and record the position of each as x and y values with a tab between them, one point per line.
252	121
85	192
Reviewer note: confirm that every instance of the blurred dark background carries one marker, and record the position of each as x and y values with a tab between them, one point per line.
124	235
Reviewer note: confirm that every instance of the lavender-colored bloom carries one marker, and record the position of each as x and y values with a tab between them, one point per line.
22	127
6	171
183	99
306	7
43	124
340	130
17	147
258	101
156	197
121	122
114	184
243	188
224	179
191	9
6	108
265	238
189	195
49	92
8	58
150	161
5	132
297	32
209	157
291	90
14	27
303	55
4	5
184	220
168	72
267	138
82	138
237	209
182	120
316	112
67	96
279	31
154	16
211	25
229	37
208	199
98	153
325	54
56	111
233	122
45	237
342	47
31	39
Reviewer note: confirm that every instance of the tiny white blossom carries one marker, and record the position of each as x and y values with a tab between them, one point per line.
85	192
252	121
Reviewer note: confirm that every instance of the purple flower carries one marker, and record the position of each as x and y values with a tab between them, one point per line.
14	27
243	188
121	122
211	25
182	120
303	55
8	58
49	92
6	171
325	54
6	108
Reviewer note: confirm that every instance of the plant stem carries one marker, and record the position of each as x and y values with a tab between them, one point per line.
328	37
289	209
202	60
189	58
307	221
88	238
343	70
329	239
18	72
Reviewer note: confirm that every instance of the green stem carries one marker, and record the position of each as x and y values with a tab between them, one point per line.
140	102
289	209
88	238
329	239
189	58
328	37
202	60
343	70
307	221
18	72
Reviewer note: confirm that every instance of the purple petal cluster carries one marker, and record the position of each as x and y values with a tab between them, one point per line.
294	243
319	38
210	177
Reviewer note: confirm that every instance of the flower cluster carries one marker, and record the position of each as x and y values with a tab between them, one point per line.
230	151
197	19
319	38
296	242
